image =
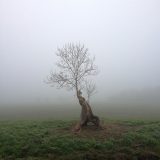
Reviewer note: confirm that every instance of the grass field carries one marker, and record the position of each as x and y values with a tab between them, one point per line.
53	139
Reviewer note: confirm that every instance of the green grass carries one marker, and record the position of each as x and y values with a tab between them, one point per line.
33	140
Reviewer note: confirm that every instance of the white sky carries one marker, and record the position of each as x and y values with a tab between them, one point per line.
124	36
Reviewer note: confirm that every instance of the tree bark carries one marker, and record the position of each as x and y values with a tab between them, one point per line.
86	114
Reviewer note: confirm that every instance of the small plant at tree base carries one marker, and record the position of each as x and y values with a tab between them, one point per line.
75	66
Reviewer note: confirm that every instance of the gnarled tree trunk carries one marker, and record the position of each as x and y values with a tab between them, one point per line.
86	114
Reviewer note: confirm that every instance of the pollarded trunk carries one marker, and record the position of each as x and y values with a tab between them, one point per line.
86	113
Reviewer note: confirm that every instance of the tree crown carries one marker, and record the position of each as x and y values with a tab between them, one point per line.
74	67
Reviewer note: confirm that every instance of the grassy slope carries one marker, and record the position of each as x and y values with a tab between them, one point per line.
54	140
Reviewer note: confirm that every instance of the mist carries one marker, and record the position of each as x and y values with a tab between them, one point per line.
123	36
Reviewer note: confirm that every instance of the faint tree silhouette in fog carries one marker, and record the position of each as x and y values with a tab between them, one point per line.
90	89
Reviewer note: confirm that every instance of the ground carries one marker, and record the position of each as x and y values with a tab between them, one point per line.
54	140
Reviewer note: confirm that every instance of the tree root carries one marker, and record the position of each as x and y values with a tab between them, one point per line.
94	120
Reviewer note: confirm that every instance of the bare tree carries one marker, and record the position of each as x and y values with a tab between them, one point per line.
74	67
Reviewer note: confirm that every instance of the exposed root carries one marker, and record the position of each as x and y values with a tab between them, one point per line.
77	128
94	120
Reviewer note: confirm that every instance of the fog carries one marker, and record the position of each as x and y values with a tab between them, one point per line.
124	37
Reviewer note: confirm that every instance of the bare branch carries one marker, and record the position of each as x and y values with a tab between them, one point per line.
90	89
74	65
